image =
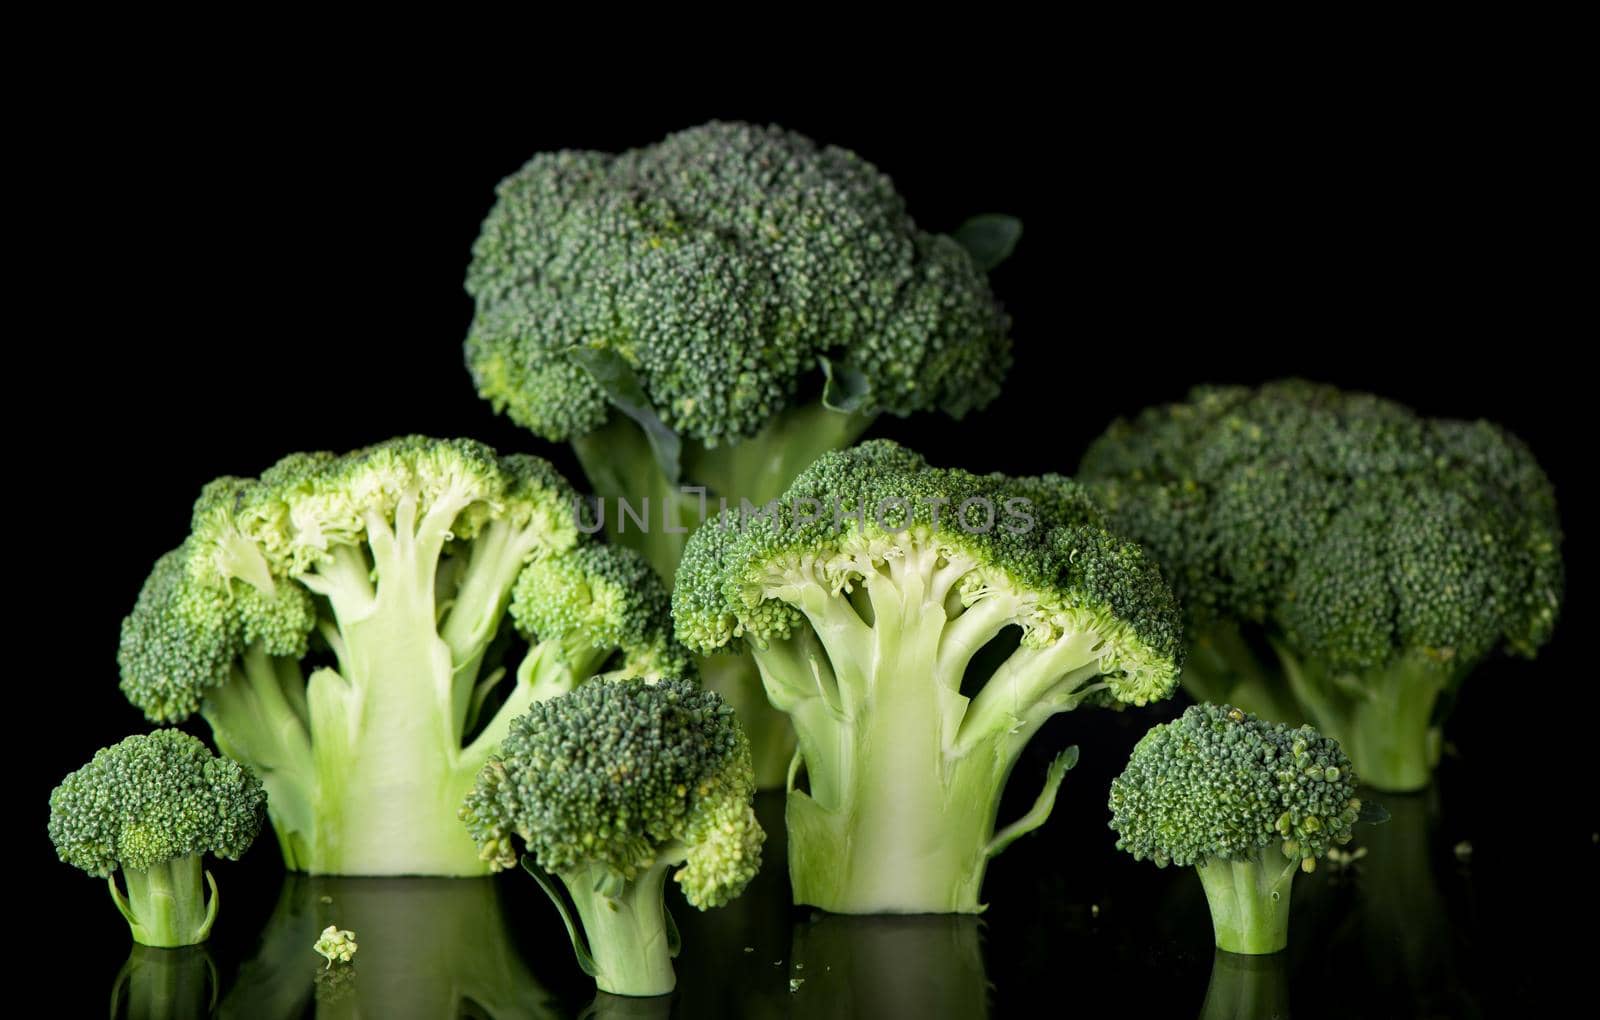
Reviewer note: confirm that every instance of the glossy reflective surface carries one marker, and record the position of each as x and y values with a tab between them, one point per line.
1406	931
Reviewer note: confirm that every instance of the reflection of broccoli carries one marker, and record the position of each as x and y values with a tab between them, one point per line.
721	308
1247	802
165	984
152	806
928	966
430	947
1381	555
1247	987
878	635
610	788
349	627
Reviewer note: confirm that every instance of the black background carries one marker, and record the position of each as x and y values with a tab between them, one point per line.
249	270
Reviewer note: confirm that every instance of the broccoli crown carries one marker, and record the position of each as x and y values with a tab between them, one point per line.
1041	540
1353	527
622	774
241	576
152	798
1218	782
602	597
720	264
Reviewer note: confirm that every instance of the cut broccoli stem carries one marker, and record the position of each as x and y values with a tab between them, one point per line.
165	984
630	937
903	784
166	904
1247	987
1250	901
1384	718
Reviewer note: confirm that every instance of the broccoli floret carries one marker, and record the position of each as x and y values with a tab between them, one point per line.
151	807
717	310
350	625
609	788
870	598
1247	802
1342	561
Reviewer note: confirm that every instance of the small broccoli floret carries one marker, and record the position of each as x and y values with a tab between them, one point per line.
151	807
718	310
350	626
336	944
609	788
1375	556
870	598
1247	802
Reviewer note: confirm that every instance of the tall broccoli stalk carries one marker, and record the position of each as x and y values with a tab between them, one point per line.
1248	803
716	311
610	789
868	626
349	627
1343	561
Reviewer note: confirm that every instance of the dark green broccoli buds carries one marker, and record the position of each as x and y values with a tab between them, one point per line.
719	265
152	806
609	788
1247	802
1380	555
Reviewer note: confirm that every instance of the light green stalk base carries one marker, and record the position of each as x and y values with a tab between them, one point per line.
620	464
1386	719
1247	987
1250	901
166	904
627	940
1383	718
165	984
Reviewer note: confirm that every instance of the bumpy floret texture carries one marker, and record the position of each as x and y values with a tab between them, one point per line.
1219	783
1353	527
241	576
152	798
620	774
602	597
1040	540
720	264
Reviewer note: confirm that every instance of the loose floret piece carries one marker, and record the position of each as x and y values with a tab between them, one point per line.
919	625
717	310
336	944
350	627
1247	802
151	807
609	789
1342	561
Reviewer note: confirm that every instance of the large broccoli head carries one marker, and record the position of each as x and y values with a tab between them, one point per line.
1038	547
1355	529
919	625
619	776
348	625
150	799
718	266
